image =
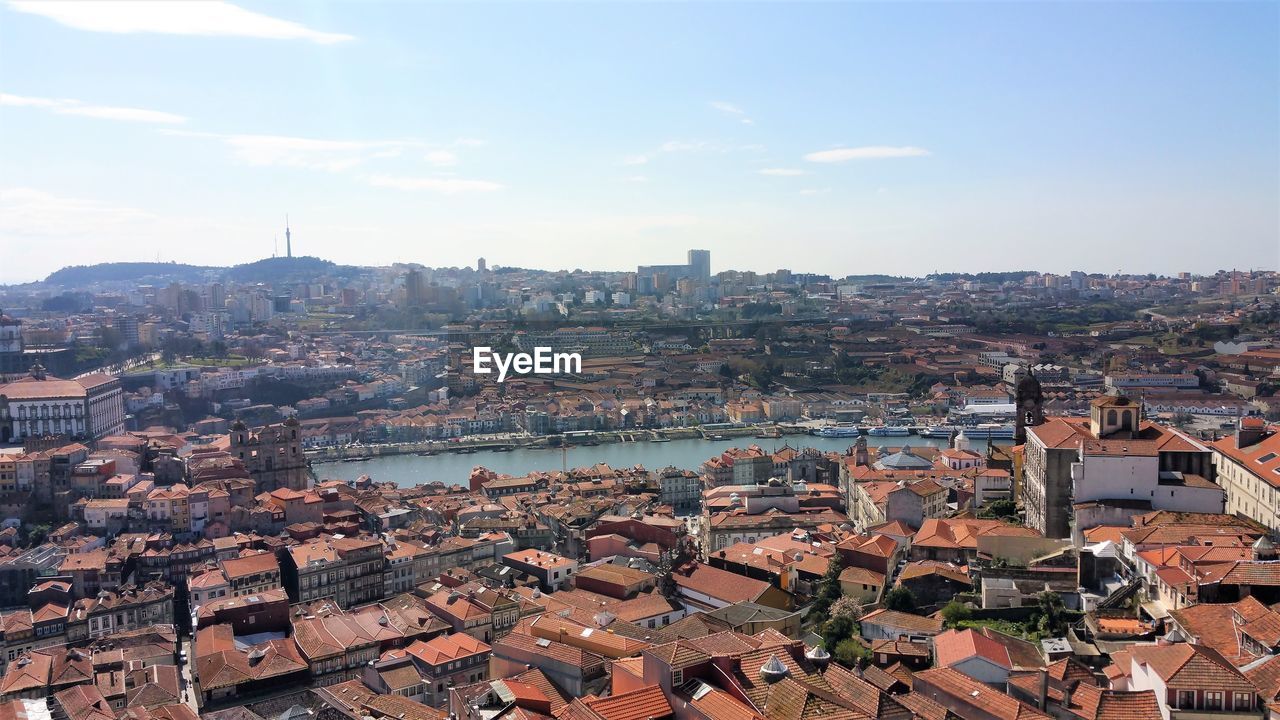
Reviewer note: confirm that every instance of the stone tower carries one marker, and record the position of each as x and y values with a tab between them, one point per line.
860	454
272	455
1029	403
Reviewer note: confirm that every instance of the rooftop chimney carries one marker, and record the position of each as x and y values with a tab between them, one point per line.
1250	431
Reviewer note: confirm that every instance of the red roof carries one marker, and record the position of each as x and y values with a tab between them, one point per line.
446	648
648	703
719	584
955	646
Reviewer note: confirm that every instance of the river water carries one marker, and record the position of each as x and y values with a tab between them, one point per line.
451	468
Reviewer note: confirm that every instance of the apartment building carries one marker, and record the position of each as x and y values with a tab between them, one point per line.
349	571
1248	469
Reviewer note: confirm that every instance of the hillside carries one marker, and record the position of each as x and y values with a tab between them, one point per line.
80	275
266	270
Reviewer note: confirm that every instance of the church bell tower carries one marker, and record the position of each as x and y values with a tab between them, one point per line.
1029	403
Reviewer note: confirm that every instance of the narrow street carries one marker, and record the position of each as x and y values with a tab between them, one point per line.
188	685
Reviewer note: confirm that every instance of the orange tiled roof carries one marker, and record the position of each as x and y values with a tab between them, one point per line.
1094	703
1184	665
648	703
958	687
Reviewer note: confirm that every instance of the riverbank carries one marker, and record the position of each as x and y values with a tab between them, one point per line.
506	443
408	469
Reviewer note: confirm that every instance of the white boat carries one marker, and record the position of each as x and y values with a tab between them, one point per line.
889	431
938	431
989	431
841	430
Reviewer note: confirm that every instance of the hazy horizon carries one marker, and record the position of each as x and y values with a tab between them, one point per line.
498	266
900	139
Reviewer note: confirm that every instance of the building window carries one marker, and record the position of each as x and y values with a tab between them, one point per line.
1212	700
1244	701
1186	699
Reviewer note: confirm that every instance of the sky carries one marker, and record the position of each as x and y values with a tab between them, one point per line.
840	138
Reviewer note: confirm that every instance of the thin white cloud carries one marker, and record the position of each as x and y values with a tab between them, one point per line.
869	152
444	186
729	108
64	106
815	191
672	146
309	153
688	146
636	179
27	212
208	18
782	172
469	142
441	158
69	229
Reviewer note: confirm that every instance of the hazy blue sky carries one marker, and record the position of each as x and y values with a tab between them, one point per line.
840	138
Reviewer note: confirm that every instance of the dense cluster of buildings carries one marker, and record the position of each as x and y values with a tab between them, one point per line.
168	548
666	347
587	585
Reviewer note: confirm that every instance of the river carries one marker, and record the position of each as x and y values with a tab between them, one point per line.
451	468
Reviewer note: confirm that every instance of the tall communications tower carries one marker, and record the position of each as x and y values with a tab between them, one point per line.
288	238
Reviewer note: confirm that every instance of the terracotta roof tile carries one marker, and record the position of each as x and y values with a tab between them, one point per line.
1183	665
642	704
1094	703
950	687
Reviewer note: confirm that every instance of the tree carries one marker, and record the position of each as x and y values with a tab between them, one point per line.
1051	614
956	612
762	377
837	630
999	509
35	534
850	652
900	599
846	606
110	338
829	587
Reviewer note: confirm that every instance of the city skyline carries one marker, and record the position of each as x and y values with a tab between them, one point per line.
866	139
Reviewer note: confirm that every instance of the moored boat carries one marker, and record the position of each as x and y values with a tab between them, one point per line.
889	431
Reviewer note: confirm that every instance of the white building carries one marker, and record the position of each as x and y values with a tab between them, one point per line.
89	407
1249	471
106	516
1079	474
